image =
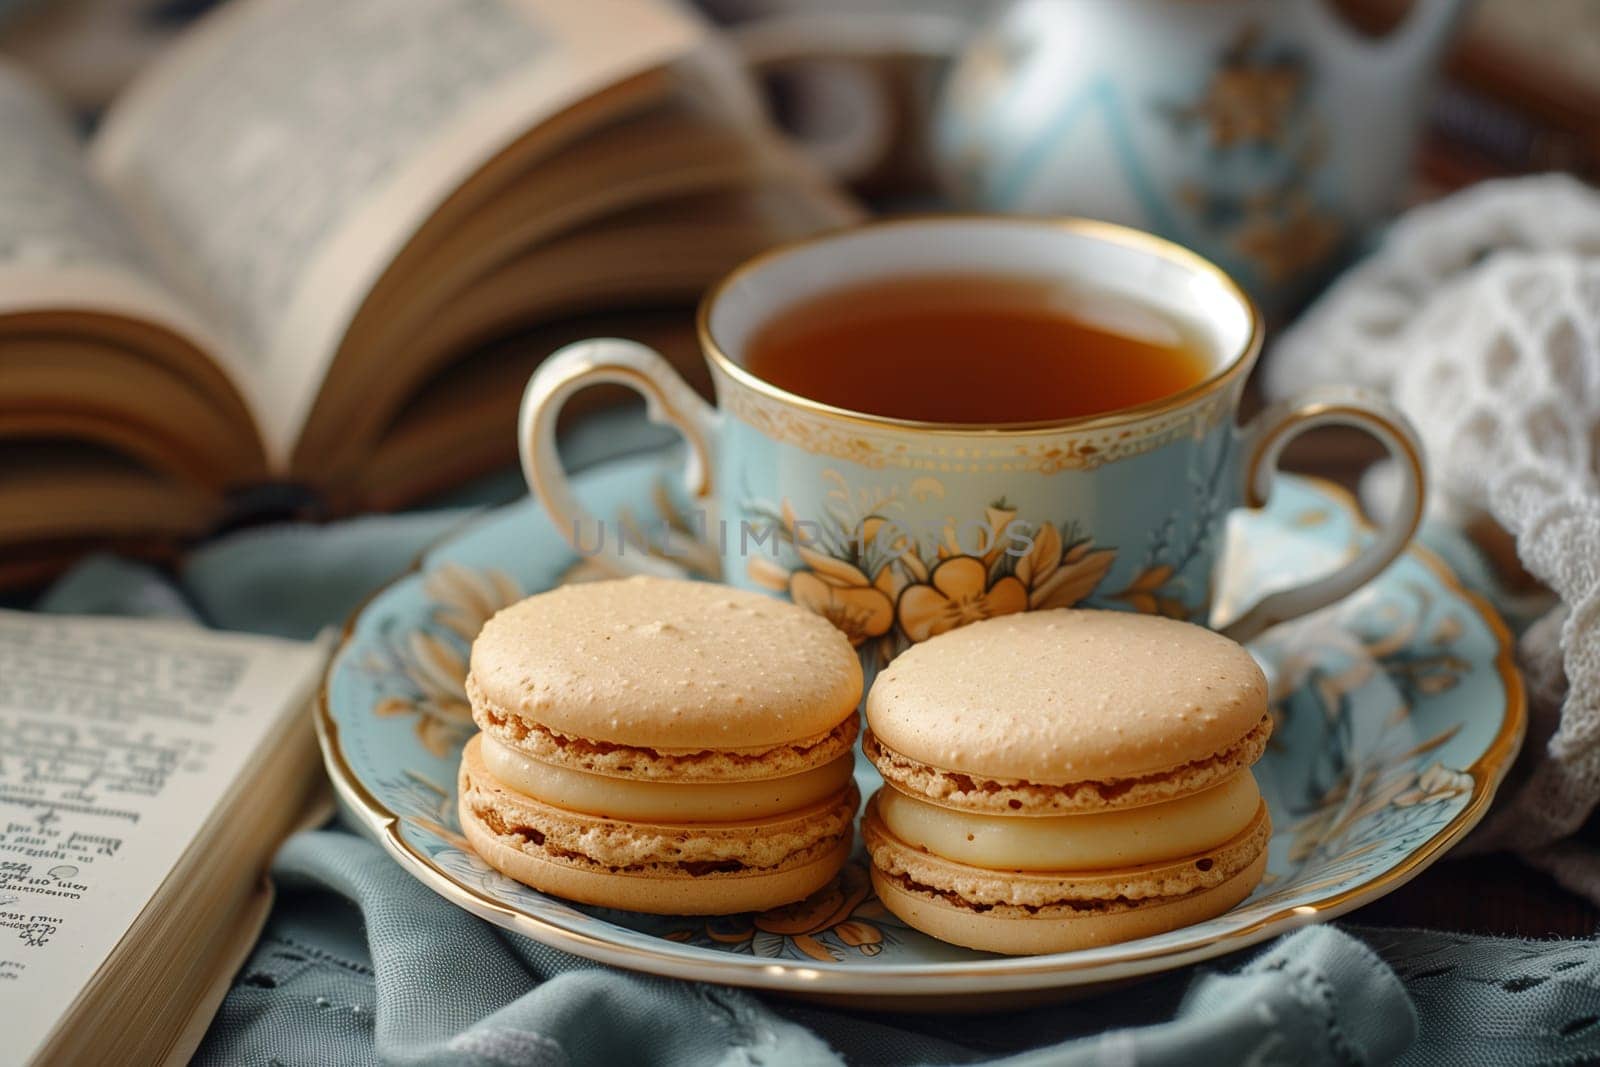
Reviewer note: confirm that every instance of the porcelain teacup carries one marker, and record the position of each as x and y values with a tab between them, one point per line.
897	530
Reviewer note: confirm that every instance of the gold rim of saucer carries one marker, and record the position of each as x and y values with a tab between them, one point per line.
1233	367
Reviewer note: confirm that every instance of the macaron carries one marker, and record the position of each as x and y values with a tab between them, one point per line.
662	746
1059	780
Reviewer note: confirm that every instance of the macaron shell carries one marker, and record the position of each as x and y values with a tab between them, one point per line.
652	764
718	893
662	664
969	792
1068	696
1021	934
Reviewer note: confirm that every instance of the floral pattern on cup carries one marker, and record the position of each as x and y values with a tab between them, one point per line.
886	590
863	564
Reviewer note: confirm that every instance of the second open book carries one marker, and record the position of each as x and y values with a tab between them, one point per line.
281	257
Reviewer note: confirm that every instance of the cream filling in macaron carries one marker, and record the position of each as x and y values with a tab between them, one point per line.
643	801
1089	841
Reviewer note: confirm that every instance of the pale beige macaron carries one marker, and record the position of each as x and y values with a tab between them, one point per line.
1065	779
663	746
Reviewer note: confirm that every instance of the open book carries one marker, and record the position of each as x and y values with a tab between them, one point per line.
304	223
148	772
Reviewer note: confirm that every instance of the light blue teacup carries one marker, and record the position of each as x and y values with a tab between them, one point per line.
898	530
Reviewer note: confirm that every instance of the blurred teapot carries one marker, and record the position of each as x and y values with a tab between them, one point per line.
1265	134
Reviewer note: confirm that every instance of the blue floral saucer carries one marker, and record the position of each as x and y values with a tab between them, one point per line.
1398	715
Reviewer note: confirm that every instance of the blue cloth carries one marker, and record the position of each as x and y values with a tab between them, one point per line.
360	963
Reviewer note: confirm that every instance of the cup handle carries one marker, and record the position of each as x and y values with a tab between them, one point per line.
1265	439
669	401
851	149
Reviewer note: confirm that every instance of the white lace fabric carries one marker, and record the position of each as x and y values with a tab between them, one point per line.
1480	316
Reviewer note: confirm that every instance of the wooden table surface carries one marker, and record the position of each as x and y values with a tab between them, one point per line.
1484	895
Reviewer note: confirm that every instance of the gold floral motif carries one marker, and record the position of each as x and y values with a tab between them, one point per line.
1257	103
816	434
1355	797
462	599
1059	577
1435	784
1148	595
840	918
1053	457
842	594
958	591
430	807
870	578
767	573
1250	98
1286	236
1391	785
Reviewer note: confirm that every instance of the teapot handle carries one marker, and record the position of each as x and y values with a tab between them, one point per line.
1415	43
838	53
1422	36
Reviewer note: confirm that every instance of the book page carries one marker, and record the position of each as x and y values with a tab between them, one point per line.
287	150
118	738
64	245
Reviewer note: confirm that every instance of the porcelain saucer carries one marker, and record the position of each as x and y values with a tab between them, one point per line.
1398	715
